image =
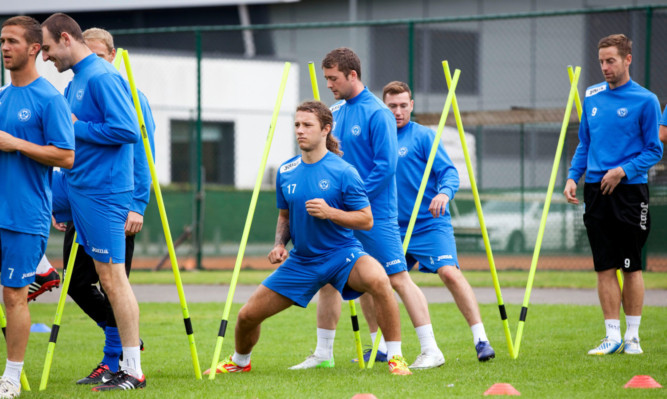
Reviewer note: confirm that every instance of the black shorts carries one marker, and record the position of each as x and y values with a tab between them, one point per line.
617	225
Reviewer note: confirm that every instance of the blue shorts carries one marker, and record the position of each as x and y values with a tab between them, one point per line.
300	278
99	220
433	249
20	254
383	242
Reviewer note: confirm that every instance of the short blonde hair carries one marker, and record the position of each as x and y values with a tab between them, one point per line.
101	35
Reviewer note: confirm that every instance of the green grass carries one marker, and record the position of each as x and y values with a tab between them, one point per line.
513	278
552	362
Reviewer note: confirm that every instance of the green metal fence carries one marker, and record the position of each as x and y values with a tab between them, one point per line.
512	92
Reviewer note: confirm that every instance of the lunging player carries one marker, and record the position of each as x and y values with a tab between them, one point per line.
321	198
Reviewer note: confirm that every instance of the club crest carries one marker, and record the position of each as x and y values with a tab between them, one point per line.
24	115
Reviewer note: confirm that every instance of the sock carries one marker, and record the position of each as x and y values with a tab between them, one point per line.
112	348
393	349
102	325
383	343
13	372
613	327
427	338
241	360
43	265
132	361
478	333
632	327
325	341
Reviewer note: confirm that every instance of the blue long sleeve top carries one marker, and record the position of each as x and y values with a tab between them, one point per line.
414	147
142	173
107	126
367	133
619	127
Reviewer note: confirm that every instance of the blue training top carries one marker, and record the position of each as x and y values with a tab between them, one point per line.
663	120
100	98
618	127
142	174
62	210
332	179
414	147
39	114
367	133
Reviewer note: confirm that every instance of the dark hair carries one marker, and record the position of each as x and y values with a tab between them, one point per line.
346	60
396	87
324	116
58	23
33	32
622	43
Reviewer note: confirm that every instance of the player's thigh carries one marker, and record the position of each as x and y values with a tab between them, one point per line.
100	224
434	249
20	254
366	273
383	242
264	303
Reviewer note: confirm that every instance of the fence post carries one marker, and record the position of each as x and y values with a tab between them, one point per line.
199	195
411	55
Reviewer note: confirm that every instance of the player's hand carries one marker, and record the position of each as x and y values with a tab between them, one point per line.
438	205
318	208
58	226
611	180
278	254
7	142
74	118
134	223
570	192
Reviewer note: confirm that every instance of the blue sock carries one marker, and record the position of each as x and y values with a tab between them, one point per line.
112	348
103	325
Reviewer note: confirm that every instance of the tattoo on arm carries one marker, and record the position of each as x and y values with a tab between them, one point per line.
282	231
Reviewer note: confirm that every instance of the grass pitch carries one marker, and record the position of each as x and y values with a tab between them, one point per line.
552	363
507	278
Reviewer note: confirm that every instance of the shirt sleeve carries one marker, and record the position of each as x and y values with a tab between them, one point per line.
354	192
385	153
57	118
119	125
651	153
281	203
663	120
580	158
446	175
142	173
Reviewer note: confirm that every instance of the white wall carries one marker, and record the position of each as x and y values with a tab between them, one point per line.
239	91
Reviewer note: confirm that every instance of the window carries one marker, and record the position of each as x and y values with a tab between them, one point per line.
217	152
389	53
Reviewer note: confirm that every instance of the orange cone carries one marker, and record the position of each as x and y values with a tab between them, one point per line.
364	396
501	389
642	381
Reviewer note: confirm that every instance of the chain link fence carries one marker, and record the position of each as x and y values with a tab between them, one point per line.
213	89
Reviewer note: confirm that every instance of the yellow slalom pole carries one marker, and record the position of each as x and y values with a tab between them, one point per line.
163	216
545	211
248	223
313	80
119	57
353	306
422	188
577	102
25	385
59	314
480	216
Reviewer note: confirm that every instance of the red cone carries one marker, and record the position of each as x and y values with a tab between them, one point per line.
642	381
501	389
